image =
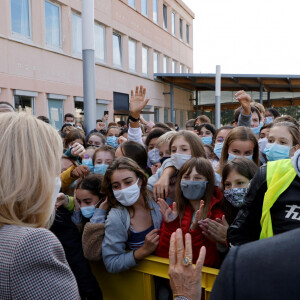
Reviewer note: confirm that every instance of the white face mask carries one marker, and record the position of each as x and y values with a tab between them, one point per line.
129	195
57	187
178	159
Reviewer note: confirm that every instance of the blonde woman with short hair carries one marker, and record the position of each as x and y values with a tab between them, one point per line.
33	263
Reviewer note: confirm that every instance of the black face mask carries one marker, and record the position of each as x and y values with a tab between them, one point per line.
164	158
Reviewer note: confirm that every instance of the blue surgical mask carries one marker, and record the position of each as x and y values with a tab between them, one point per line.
88	211
89	163
153	156
275	151
112	141
193	190
256	130
218	149
269	120
206	140
100	168
232	156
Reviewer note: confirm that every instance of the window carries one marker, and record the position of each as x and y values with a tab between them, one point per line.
156	114
76	34
145	7
24	103
173	23
20	17
165	64
173	66
187	33
181	28
155	62
145	60
52	24
166	115
181	68
117	50
131	3
155	11
100	42
165	15
132	55
188	70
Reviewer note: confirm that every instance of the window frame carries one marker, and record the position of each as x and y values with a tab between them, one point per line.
145	15
135	56
174	23
188	34
121	45
174	65
146	48
157	64
165	21
165	58
97	59
181	29
134	7
77	54
155	21
60	26
20	35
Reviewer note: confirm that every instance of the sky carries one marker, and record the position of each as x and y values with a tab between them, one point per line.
246	37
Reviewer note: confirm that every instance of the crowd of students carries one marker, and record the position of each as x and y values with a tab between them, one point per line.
127	187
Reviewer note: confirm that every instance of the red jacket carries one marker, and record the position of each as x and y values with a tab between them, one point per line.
212	258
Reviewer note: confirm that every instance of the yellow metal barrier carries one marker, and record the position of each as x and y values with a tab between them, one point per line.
138	282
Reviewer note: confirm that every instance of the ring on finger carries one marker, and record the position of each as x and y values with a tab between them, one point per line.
187	261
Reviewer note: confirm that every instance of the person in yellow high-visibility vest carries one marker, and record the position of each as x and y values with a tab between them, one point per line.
272	204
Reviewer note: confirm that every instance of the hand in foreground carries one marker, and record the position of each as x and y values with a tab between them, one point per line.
199	216
61	200
185	280
245	100
161	187
216	231
137	101
77	150
80	171
169	214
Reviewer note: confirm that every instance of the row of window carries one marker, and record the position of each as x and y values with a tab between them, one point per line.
144	11
20	16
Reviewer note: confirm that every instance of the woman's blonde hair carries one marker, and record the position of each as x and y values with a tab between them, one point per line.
165	138
30	155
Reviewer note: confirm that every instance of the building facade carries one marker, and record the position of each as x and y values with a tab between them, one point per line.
41	60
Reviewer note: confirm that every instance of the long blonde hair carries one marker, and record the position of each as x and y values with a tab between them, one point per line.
30	152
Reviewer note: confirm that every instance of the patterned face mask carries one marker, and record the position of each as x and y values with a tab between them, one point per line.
236	196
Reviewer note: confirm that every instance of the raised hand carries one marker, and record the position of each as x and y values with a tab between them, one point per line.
137	101
169	214
61	200
185	280
216	231
199	216
77	150
245	100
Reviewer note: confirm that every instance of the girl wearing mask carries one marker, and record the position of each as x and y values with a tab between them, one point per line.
183	146
272	203
206	132
112	135
197	198
134	219
103	158
236	177
219	138
271	114
282	141
89	214
240	141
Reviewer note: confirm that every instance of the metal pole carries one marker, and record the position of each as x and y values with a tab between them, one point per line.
88	60
269	99
172	103
197	103
261	94
218	97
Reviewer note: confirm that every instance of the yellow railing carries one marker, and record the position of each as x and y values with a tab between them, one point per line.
138	283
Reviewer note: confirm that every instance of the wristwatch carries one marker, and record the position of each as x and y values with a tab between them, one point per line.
131	118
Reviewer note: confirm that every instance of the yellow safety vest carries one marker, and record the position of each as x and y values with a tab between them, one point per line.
280	174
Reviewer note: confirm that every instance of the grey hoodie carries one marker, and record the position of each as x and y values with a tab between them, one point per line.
115	256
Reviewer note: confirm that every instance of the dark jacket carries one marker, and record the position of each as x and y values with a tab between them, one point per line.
246	227
70	238
262	270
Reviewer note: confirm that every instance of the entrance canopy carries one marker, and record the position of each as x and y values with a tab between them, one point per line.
233	82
